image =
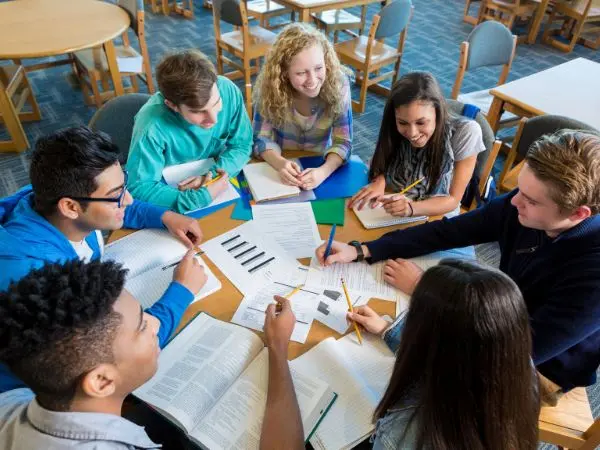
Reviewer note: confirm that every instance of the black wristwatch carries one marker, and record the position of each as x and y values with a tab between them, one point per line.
360	256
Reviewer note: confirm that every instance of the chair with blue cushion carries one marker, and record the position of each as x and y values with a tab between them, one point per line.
489	44
115	118
371	54
529	131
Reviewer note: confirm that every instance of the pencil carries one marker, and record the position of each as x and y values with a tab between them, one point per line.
406	189
177	262
212	181
351	309
296	289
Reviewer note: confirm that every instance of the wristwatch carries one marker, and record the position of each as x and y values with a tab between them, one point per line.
360	256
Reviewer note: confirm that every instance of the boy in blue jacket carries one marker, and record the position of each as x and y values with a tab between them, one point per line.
78	188
549	235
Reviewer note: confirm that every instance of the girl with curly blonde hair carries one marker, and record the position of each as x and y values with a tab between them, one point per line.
302	102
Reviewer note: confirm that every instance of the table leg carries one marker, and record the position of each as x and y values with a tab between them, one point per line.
537	21
115	75
494	114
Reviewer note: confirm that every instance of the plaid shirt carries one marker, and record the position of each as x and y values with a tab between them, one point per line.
319	133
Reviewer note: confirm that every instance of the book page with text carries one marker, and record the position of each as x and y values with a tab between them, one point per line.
235	422
197	368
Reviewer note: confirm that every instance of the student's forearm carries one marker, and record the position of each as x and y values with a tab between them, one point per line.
435	206
332	162
282	425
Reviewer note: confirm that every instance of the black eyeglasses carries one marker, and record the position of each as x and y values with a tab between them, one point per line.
118	200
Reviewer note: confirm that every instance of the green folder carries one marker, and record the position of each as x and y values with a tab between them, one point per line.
329	212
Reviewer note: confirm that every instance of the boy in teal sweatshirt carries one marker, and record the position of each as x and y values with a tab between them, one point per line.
196	115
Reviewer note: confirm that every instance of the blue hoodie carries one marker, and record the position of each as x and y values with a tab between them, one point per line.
28	241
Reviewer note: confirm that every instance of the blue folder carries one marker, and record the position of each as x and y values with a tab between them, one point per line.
344	182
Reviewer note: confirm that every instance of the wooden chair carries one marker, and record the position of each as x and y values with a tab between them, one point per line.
246	43
570	424
15	92
179	7
340	20
91	66
489	44
485	159
264	10
370	54
575	17
529	131
508	12
471	20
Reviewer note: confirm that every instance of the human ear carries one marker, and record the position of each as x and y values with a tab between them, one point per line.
68	208
100	382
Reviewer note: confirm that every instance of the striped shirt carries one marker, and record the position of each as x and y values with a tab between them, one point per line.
319	133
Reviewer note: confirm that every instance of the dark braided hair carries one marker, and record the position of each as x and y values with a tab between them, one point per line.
58	323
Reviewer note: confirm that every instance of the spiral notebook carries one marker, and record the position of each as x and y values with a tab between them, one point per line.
379	218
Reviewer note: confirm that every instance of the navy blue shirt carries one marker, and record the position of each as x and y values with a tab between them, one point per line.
559	279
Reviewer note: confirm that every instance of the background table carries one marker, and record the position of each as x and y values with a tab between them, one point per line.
305	8
571	89
41	28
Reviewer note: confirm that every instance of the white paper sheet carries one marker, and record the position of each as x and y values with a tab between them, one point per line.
174	174
292	225
332	308
249	258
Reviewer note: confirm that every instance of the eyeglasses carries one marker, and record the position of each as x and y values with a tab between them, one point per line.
118	200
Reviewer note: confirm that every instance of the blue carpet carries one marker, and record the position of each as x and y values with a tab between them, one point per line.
434	37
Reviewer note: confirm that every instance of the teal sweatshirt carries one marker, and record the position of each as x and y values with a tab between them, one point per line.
162	138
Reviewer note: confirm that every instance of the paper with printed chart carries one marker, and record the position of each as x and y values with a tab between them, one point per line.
148	254
249	258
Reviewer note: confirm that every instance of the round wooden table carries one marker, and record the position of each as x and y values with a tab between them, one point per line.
41	28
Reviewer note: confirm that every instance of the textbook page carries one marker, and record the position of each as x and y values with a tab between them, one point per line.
292	225
148	287
361	277
359	375
197	367
265	183
145	250
175	174
236	420
249	258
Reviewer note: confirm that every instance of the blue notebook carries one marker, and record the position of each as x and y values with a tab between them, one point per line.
344	182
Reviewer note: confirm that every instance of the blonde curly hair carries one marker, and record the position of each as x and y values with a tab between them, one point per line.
273	92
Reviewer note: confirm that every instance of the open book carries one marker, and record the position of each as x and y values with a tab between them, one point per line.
359	374
265	183
212	382
149	255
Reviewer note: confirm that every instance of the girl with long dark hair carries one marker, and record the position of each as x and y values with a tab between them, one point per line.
463	377
420	140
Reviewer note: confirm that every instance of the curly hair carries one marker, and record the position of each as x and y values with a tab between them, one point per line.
273	92
57	323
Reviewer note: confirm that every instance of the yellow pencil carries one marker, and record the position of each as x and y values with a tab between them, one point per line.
212	181
351	310
406	189
296	289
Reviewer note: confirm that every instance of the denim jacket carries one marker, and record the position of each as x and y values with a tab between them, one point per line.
24	424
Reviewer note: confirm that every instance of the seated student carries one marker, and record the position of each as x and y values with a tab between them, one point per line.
95	346
77	190
302	99
463	377
419	139
196	115
549	236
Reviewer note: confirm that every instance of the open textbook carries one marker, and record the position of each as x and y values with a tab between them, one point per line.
212	382
359	374
149	255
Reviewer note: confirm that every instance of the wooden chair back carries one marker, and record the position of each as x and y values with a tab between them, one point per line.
575	16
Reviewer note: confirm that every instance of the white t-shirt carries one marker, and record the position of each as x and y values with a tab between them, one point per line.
84	251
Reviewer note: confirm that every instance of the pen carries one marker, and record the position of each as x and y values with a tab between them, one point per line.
217	178
296	289
177	262
330	241
351	310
